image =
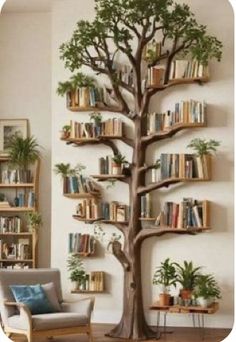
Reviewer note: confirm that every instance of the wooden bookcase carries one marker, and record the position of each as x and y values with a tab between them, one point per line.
12	237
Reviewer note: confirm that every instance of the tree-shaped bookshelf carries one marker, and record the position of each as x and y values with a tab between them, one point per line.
129	27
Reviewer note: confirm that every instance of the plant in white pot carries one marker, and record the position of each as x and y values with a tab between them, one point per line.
117	161
206	290
165	275
77	273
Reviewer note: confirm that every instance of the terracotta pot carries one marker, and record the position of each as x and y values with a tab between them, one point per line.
116	169
185	294
164	299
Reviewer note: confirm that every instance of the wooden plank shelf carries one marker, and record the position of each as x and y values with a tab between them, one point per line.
16	209
16	260
147	219
103	177
84	254
81	195
180	230
86	220
4	158
87	291
176	81
95	109
186	309
91	140
17	234
17	185
114	222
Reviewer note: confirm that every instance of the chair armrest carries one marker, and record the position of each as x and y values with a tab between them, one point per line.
25	313
83	306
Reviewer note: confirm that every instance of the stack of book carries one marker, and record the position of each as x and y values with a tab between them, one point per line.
189	213
185	166
110	127
86	97
96	281
185	112
152	51
81	243
4	205
155	75
181	68
25	199
146	211
115	211
124	73
16	176
88	209
10	224
80	184
15	251
105	165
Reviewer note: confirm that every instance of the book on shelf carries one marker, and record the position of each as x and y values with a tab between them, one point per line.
86	130
10	224
96	281
21	250
115	211
4	204
146	211
81	243
86	97
187	166
78	184
189	213
155	75
124	73
105	165
88	209
182	68
9	176
185	112
14	266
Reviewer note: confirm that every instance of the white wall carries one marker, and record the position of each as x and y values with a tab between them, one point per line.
25	92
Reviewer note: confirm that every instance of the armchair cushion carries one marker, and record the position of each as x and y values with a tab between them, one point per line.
50	291
49	321
34	297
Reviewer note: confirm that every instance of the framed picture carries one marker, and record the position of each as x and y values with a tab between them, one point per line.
9	128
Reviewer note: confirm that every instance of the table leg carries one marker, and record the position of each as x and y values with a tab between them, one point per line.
203	327
158	333
193	318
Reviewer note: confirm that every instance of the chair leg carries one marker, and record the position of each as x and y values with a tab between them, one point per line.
29	337
90	335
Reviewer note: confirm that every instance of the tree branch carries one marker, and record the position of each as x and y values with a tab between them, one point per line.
120	255
142	190
145	168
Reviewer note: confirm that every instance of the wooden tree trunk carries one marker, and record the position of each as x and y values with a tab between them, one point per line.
133	324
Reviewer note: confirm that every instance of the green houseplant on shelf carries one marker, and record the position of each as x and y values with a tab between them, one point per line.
65	171
34	221
117	161
187	276
165	275
65	132
206	290
77	273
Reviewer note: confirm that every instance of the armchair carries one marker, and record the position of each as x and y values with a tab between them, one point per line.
74	317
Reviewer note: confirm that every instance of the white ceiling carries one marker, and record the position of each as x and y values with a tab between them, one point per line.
18	6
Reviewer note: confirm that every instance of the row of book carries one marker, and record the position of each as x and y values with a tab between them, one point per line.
184	166
14	266
115	211
105	165
22	199
146	211
78	184
93	282
182	68
11	224
81	243
185	112
189	213
88	209
110	127
86	97
124	73
16	176
15	251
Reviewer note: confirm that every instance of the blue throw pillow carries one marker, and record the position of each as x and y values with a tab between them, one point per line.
34	297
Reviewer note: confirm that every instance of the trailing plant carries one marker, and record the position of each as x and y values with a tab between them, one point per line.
65	170
96	117
206	286
34	220
23	151
203	146
187	275
76	81
119	159
165	275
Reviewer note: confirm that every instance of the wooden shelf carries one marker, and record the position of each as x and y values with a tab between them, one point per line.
17	234
4	158
95	109
17	185
16	261
86	220
148	219
91	140
114	222
103	178
82	195
186	309
17	209
200	80
180	230
87	291
85	255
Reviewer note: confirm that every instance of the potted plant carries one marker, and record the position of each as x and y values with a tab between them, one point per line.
187	276
34	220
23	152
118	160
165	275
206	290
65	171
65	133
77	274
97	118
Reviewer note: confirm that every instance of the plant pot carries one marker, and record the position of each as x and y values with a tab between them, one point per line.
164	299
204	302
186	294
116	169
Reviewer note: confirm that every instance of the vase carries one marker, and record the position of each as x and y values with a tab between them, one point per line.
164	299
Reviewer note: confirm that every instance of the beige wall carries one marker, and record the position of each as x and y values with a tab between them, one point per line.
25	92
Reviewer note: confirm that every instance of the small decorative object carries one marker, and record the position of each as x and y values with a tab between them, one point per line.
65	133
165	275
16	201
34	220
118	160
8	130
187	276
77	274
206	290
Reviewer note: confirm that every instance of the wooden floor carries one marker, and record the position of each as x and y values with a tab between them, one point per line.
178	335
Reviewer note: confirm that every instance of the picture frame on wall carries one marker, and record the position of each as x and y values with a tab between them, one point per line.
9	128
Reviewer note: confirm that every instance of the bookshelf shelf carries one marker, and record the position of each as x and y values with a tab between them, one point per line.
82	195
85	220
87	291
115	222
17	234
147	219
18	185
17	209
94	109
103	178
16	260
179	81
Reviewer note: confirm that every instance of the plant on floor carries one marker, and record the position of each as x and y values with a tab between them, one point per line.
203	146
23	151
165	275
76	268
206	289
34	221
127	27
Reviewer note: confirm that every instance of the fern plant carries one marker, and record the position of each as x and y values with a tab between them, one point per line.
165	275
65	170
187	275
203	146
76	81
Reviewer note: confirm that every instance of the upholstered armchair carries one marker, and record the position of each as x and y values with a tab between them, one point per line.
70	318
